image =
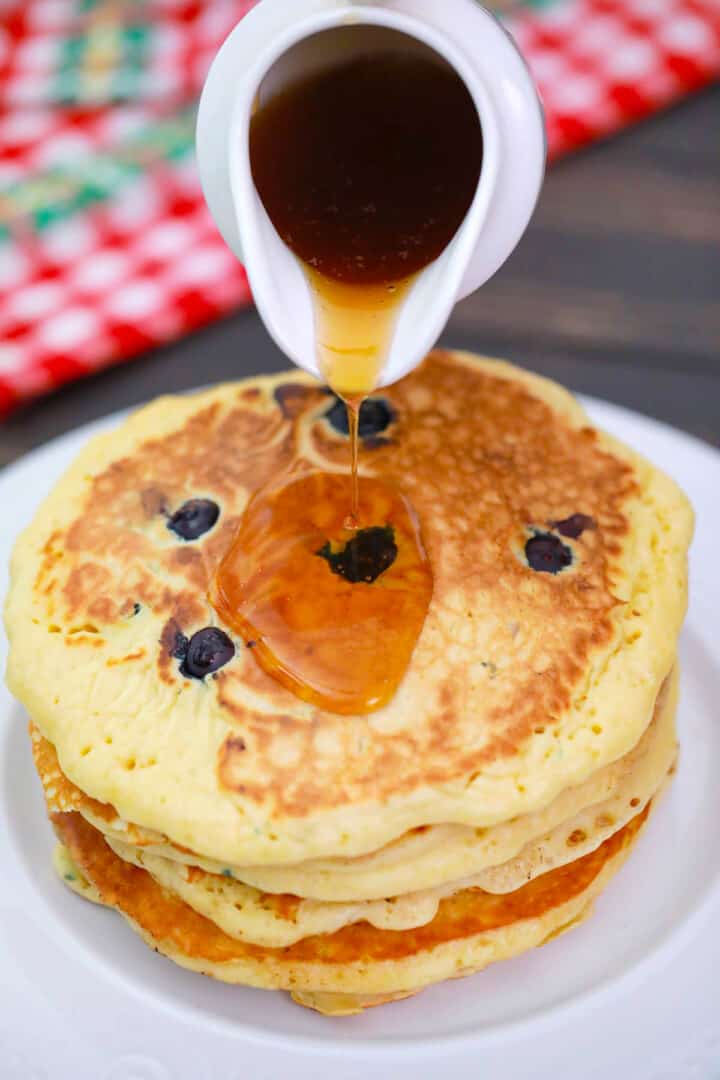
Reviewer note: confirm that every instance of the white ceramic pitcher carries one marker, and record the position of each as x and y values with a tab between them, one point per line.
281	40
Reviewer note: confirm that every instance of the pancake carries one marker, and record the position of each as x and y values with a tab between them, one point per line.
522	683
249	914
72	876
471	930
345	1004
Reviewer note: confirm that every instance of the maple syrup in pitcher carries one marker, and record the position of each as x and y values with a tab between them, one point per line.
367	171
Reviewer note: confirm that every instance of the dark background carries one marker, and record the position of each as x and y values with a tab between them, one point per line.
613	291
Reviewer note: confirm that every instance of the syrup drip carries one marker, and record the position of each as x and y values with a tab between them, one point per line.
353	411
366	171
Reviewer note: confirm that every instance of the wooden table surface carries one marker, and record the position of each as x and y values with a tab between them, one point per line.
614	291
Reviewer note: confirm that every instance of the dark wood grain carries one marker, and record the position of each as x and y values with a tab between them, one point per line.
614	291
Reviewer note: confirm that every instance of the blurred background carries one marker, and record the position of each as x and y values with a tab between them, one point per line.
115	285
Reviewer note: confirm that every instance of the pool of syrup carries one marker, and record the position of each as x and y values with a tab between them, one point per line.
331	613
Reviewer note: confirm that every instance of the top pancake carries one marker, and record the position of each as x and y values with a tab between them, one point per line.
521	683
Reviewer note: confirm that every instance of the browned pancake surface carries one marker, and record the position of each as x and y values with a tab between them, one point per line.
483	461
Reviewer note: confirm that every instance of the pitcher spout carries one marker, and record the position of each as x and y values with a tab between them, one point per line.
280	43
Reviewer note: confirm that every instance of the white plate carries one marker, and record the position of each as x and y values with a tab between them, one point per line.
632	992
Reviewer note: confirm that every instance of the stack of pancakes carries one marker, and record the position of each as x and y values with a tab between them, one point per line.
251	836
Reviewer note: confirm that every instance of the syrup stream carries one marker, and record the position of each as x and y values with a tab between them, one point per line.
353	406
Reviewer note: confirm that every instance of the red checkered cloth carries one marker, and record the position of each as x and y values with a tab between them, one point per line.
106	246
601	65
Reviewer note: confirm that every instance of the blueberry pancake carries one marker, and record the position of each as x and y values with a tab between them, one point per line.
276	918
531	731
337	973
257	917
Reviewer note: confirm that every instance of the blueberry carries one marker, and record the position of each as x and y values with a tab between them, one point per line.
195	517
575	525
376	414
364	558
207	650
179	646
547	553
